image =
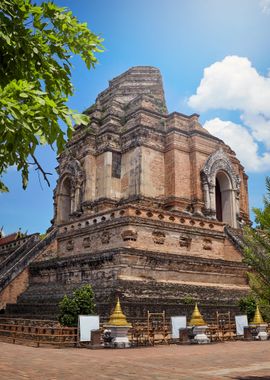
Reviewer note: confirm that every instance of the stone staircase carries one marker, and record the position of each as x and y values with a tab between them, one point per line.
235	236
39	301
22	257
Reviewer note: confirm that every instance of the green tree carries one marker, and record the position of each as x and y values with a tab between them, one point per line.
257	253
80	303
36	46
247	305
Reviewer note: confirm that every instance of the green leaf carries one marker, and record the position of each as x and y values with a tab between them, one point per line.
80	118
41	101
37	44
43	140
3	188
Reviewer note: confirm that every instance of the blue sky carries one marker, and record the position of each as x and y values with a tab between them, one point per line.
230	39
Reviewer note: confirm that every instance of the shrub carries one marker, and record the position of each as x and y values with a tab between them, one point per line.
80	303
247	305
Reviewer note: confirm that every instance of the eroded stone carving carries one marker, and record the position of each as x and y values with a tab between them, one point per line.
129	235
218	162
105	237
185	241
87	242
158	237
70	188
207	244
70	245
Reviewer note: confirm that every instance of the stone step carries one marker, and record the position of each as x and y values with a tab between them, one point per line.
22	258
50	310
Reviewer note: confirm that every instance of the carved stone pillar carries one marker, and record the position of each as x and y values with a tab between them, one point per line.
237	199
206	195
77	198
212	196
72	200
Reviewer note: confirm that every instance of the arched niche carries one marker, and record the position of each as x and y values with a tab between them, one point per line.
221	187
69	192
225	202
65	200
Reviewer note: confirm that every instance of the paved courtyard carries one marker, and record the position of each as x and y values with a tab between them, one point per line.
235	360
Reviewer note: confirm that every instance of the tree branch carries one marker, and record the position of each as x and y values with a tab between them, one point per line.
39	167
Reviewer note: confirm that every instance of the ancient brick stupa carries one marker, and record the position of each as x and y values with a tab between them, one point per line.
148	206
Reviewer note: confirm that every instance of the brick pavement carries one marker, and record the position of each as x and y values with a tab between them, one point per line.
234	360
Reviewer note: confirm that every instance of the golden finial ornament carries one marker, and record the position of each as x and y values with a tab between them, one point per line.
118	318
258	319
196	318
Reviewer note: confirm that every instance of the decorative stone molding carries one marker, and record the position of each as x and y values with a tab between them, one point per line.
129	235
72	171
105	237
158	237
185	241
70	245
87	242
218	162
207	244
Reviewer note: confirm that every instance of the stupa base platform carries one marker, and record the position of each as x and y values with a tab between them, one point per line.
200	336
136	300
261	331
120	336
143	280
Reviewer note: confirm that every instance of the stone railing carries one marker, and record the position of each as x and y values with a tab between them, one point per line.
18	253
13	245
25	258
236	237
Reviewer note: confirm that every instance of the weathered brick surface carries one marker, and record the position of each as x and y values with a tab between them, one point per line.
14	273
135	207
14	289
161	155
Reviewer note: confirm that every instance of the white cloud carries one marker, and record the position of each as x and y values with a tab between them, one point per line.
241	141
233	84
265	6
259	125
